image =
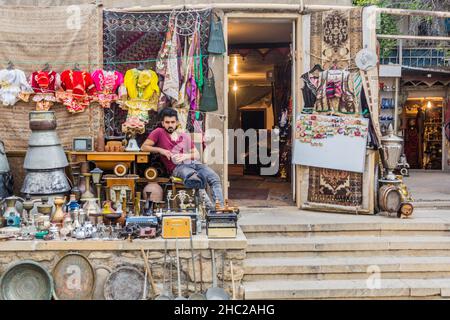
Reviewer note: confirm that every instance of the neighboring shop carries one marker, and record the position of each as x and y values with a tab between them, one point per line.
423	119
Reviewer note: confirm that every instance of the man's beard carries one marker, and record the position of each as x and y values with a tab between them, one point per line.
170	130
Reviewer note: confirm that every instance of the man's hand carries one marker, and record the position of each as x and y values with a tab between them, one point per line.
165	153
178	158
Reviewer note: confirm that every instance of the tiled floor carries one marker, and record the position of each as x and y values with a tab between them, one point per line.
280	192
429	185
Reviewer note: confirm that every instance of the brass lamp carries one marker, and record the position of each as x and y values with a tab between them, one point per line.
96	176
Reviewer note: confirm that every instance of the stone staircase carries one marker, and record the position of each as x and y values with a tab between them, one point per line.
361	257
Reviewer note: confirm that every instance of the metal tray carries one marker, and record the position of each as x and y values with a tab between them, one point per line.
74	278
125	283
26	280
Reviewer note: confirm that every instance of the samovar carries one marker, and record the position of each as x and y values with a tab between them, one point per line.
392	149
392	195
45	159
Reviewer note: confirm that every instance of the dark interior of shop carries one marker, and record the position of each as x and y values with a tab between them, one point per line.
260	71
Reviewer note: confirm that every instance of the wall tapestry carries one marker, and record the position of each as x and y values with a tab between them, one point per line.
336	38
335	187
30	38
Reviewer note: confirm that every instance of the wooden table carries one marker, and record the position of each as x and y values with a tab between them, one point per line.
107	160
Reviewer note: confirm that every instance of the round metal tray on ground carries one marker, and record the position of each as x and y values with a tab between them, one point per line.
125	283
26	280
74	278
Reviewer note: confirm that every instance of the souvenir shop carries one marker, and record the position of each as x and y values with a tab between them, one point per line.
79	197
424	118
78	104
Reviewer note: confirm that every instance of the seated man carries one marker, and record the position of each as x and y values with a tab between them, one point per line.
180	157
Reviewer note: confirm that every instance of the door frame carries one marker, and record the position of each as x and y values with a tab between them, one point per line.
297	68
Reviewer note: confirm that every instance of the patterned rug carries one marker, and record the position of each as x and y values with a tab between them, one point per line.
336	36
335	187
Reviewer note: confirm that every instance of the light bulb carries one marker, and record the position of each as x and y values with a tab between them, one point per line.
235	87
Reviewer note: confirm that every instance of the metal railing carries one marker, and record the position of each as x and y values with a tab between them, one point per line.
424	57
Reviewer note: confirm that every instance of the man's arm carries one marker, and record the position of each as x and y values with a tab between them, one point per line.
149	146
194	154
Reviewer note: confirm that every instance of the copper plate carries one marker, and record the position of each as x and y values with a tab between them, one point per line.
125	283
74	278
26	280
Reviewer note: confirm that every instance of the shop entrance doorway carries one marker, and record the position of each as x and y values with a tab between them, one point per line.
422	125
260	73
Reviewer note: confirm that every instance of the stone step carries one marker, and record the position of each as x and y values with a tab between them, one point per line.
346	276
335	229
379	233
431	204
364	266
340	289
349	253
346	243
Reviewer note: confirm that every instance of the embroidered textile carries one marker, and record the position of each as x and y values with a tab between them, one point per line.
44	84
337	92
107	83
78	86
167	64
13	86
142	93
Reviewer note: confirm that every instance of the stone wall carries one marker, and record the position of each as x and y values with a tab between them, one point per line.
112	254
115	259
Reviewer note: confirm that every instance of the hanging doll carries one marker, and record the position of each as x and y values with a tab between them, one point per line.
107	83
13	86
44	84
78	89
